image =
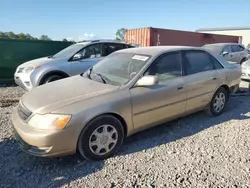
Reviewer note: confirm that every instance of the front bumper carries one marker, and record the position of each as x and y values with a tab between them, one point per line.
245	75
23	80
43	143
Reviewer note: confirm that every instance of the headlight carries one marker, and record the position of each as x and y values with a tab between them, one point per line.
49	121
27	69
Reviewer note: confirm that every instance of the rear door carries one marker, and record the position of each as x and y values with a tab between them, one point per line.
236	53
91	54
201	77
243	53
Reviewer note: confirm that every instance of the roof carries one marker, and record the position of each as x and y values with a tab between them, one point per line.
156	50
224	28
100	40
222	44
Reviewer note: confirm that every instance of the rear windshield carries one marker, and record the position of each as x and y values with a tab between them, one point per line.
213	47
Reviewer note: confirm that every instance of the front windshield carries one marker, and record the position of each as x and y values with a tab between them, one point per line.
119	68
69	51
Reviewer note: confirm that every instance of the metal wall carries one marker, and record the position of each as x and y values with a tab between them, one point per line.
14	52
138	36
157	37
185	38
244	33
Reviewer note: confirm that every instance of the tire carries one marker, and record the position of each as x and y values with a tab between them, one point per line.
211	110
242	61
94	139
52	78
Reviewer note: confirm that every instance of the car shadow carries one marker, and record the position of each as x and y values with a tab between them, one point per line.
21	170
4	85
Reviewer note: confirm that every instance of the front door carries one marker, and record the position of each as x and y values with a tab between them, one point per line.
90	56
167	100
228	56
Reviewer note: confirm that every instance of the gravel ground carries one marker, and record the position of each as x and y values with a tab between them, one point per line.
195	151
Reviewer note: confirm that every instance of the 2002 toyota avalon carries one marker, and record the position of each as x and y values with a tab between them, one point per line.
128	91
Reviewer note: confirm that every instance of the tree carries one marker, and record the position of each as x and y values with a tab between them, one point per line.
44	37
120	34
65	40
248	46
3	35
12	35
29	37
21	36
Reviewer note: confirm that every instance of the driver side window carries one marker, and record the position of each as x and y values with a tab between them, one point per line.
166	67
226	49
92	51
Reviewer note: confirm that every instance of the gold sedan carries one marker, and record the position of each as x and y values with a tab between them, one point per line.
128	91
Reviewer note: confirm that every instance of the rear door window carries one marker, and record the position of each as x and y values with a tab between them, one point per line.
197	61
235	48
112	47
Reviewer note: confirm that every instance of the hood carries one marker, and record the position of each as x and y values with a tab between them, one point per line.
54	95
38	62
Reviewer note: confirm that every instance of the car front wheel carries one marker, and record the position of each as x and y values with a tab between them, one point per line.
101	138
218	102
52	78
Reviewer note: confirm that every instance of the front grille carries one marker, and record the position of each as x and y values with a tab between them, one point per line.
23	112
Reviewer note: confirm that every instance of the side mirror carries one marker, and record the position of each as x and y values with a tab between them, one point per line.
224	53
147	81
77	56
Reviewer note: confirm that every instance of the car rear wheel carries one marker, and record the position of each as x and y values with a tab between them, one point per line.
52	78
218	102
101	138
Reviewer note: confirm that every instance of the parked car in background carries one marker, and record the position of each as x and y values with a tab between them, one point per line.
72	60
246	71
126	92
248	50
229	51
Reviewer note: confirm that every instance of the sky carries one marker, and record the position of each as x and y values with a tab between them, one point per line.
87	19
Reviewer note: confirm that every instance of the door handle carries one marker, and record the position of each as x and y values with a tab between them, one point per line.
180	87
214	78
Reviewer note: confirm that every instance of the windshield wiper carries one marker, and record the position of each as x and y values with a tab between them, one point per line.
103	78
89	73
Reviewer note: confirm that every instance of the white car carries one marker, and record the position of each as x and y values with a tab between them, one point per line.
245	68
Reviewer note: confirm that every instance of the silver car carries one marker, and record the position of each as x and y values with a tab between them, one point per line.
72	60
229	51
